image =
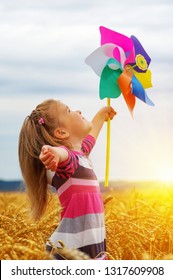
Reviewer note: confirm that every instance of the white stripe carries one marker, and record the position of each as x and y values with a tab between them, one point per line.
79	182
81	223
84	162
81	239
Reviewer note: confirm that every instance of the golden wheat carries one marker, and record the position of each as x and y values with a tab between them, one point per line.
139	225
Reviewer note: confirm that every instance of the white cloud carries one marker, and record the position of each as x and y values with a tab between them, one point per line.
42	51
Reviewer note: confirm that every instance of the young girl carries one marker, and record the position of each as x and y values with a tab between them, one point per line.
59	139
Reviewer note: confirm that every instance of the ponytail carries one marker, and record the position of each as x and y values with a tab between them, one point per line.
37	130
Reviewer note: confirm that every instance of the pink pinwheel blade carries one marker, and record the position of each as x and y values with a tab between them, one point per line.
110	36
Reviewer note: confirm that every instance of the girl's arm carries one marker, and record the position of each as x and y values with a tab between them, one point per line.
101	116
52	156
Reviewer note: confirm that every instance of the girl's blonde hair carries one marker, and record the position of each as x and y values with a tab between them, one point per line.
38	130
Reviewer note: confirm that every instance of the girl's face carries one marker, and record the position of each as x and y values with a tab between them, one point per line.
73	122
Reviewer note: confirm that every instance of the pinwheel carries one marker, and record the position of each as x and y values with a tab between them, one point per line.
122	64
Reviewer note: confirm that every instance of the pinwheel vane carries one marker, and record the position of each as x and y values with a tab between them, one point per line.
122	64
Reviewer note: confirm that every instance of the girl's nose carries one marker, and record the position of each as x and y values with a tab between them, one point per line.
79	112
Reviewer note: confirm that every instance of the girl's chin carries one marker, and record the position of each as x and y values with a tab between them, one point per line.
90	126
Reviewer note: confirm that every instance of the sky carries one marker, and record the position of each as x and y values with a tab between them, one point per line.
43	46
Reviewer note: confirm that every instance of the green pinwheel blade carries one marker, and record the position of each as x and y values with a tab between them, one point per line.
108	83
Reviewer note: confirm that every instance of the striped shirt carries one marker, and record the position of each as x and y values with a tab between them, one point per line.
82	218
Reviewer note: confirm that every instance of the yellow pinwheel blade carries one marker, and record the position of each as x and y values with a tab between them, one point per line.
144	78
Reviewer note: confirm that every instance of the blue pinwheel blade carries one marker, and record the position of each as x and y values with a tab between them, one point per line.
139	92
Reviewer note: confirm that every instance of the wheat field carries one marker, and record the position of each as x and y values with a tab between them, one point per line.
139	225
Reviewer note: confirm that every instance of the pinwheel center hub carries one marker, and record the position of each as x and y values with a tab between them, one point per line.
141	62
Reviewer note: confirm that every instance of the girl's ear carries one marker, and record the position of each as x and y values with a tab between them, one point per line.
61	133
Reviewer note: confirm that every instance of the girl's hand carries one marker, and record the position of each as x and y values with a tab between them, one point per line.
107	112
101	116
47	157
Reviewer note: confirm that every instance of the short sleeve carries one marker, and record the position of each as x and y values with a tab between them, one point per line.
88	144
68	167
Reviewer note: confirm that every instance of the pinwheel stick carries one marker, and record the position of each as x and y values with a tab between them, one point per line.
108	148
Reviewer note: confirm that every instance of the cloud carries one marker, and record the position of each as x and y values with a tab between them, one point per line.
42	51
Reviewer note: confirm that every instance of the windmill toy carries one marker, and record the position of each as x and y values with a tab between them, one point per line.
122	65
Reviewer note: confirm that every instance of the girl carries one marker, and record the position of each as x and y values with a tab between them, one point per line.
59	139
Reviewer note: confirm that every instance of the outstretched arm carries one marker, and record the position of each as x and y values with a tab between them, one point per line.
52	156
101	116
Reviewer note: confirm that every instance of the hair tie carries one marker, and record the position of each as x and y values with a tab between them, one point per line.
41	121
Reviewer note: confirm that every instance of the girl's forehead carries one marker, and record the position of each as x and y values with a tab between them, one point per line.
61	105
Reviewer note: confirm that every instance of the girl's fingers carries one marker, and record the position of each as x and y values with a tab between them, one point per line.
47	159
112	114
52	166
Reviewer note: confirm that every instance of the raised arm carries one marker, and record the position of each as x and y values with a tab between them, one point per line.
101	116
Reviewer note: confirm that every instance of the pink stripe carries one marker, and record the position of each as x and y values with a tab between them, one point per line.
70	212
75	189
88	203
79	182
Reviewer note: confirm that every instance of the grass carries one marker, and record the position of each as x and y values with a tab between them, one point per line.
139	225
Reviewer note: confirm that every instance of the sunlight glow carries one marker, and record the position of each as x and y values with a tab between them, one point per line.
165	174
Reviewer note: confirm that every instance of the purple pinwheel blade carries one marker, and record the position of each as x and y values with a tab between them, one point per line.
139	51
